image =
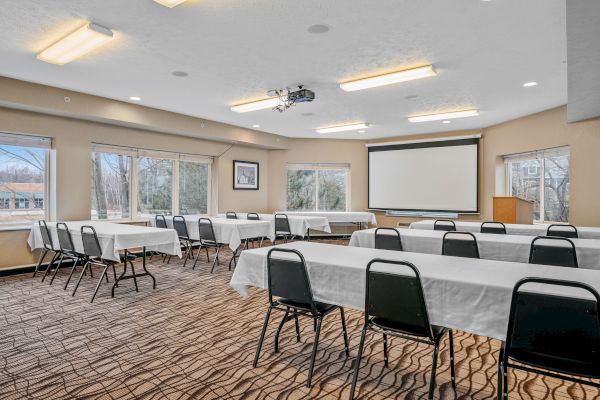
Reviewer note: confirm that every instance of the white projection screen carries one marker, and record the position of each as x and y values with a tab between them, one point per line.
424	176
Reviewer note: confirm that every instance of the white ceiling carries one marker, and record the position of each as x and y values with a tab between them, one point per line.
236	50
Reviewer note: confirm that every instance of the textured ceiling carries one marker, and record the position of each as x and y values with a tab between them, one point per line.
236	50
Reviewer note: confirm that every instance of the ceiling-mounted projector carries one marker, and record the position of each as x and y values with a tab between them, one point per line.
289	98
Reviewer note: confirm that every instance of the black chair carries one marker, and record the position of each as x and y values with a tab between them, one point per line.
231	215
282	228
552	335
561	256
460	244
444	225
48	247
493	227
161	222
562	230
395	305
67	250
254	217
288	281
208	239
180	227
386	241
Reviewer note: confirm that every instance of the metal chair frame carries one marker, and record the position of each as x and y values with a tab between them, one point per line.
532	249
48	247
499	227
231	215
211	242
388	242
254	217
446	225
447	239
286	231
570	232
180	226
67	249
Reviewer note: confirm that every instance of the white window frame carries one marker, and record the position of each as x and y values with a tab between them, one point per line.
320	167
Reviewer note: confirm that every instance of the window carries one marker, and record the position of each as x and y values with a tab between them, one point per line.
318	187
24	174
543	177
136	183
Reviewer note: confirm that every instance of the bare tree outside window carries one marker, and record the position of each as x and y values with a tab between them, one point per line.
155	186
110	185
193	188
316	189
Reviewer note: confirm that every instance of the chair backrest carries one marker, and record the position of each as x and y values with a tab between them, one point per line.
180	227
460	244
282	224
91	244
397	298
555	332
493	227
46	236
206	230
231	215
547	254
562	230
387	241
160	221
444	225
65	240
288	278
252	216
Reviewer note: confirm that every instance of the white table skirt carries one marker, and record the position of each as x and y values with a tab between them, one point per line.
511	229
113	238
335	217
467	294
513	248
299	224
227	231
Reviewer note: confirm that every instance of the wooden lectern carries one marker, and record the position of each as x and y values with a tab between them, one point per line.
513	210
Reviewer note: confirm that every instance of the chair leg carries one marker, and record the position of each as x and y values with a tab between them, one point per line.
207	256
344	330
39	264
216	260
99	283
357	365
62	257
115	274
54	258
262	337
134	276
196	259
385	351
452	372
505	381
314	352
71	274
85	267
499	389
187	254
297	327
433	370
279	328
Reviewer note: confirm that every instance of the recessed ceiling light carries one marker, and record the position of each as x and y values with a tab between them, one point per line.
307	114
411	97
318	28
76	44
388	79
169	3
446	121
135	98
441	116
179	74
256	126
529	84
362	131
256	105
343	128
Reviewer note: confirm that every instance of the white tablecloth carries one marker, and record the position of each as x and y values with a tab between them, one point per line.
334	217
513	248
299	224
227	231
511	229
112	237
461	293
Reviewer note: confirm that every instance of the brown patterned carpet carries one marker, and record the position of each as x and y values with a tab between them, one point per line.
195	337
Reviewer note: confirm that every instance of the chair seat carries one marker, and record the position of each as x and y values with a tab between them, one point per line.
556	364
438	331
322	308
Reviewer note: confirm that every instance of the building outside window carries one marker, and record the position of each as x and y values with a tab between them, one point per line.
318	187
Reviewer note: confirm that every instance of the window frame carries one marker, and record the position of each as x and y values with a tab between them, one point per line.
320	167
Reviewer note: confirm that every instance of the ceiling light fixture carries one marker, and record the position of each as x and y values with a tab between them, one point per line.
446	121
389	79
441	116
343	128
135	98
256	126
169	3
77	43
529	84
256	105
362	131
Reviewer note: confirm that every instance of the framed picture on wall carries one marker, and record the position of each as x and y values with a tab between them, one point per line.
245	175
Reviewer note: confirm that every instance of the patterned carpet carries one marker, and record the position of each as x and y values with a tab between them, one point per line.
194	338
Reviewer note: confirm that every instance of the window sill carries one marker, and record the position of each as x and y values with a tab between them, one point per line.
15	227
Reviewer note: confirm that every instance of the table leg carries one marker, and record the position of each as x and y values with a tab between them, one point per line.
146	271
308	235
134	275
118	279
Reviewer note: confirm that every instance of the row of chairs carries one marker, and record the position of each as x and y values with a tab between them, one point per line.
282	225
464	244
560	230
547	334
91	255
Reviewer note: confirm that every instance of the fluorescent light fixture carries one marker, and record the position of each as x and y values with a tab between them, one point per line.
446	121
256	105
256	126
388	79
135	98
529	84
362	131
343	128
169	3
77	43
447	115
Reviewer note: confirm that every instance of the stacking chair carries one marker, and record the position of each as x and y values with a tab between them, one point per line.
395	305
67	250
552	335
180	227
562	230
386	241
290	292
282	228
231	215
460	244
562	256
493	227
444	225
161	222
48	247
254	217
208	239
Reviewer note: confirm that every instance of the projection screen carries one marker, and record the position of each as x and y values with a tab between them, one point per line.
424	175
